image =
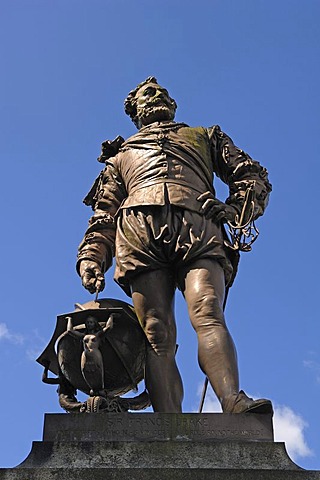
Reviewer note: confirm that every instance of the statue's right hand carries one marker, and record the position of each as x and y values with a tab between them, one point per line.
91	276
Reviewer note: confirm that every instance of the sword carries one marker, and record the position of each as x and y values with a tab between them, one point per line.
243	231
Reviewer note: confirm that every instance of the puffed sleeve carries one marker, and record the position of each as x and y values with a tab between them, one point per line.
105	198
237	169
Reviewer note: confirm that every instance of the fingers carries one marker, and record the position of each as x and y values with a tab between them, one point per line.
216	214
231	214
89	280
93	285
221	213
213	208
92	277
212	205
205	196
220	216
99	284
209	200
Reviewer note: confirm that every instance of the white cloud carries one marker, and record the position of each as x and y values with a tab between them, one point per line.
35	345
33	342
314	366
33	353
5	334
3	330
211	403
288	426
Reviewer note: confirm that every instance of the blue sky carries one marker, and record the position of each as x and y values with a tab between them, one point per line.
250	66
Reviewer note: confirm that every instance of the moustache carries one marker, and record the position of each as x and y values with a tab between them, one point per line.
159	101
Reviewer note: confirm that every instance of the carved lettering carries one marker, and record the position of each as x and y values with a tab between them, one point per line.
175	427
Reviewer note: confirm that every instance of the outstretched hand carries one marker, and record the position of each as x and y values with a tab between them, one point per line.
218	211
91	276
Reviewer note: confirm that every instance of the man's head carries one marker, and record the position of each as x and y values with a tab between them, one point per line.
148	103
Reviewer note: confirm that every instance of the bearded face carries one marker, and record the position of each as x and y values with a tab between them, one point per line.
154	104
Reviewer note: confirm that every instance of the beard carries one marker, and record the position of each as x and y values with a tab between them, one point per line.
155	113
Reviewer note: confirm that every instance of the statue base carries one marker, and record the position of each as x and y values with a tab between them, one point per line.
157	446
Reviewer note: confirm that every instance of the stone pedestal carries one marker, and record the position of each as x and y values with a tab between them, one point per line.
145	446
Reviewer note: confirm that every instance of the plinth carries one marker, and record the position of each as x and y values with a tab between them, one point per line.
145	446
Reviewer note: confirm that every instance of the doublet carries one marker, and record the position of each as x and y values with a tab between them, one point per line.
168	163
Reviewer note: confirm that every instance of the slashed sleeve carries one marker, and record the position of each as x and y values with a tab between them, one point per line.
237	169
105	197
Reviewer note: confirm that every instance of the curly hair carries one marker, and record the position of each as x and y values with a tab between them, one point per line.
130	102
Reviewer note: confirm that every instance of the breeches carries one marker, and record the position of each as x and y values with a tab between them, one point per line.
165	237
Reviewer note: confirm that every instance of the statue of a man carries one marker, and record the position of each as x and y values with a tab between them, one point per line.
155	209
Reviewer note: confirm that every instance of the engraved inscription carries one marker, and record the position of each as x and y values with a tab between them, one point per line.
184	427
163	427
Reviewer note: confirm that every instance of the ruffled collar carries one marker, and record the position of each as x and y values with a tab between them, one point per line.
165	125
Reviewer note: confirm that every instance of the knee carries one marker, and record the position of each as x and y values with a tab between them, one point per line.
159	332
205	312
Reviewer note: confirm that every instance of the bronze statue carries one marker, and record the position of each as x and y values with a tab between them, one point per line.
155	209
92	367
99	349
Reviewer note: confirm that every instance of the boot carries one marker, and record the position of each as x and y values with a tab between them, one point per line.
241	403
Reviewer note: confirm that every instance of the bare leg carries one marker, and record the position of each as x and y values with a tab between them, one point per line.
153	299
203	287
